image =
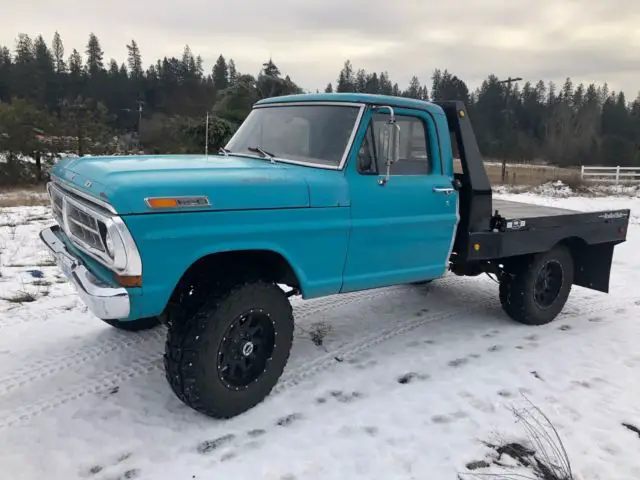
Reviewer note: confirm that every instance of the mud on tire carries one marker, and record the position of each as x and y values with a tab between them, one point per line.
535	290
226	357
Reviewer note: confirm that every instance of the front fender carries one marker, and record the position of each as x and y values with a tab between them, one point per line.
312	240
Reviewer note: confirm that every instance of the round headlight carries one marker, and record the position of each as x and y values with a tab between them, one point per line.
108	243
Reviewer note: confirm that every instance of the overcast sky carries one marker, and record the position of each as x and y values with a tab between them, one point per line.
589	40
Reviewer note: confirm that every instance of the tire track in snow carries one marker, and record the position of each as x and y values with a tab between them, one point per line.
50	365
351	350
152	362
112	378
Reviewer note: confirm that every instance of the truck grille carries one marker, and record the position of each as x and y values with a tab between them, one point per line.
77	220
84	227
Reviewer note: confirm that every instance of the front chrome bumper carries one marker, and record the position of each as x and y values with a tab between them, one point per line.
104	301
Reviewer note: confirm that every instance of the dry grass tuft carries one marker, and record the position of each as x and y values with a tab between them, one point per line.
20	297
543	454
24	197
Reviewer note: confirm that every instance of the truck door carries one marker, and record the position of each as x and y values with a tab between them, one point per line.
403	230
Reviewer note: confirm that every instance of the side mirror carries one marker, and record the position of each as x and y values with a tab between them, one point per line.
393	146
391	142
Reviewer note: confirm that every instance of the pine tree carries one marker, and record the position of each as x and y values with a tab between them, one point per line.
270	69
6	64
58	53
24	79
75	63
373	84
415	89
134	60
385	85
233	74
361	81
95	55
114	69
345	79
45	73
220	74
199	67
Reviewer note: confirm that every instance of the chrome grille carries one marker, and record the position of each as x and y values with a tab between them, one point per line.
84	227
56	205
77	220
90	224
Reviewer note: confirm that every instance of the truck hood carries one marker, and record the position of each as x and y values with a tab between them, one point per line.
230	183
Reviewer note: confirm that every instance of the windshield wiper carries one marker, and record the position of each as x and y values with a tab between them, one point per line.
263	153
224	151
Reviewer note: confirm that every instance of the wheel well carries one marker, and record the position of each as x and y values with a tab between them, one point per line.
265	264
211	270
577	248
574	244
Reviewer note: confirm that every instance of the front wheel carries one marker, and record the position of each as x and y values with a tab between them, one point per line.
535	291
227	357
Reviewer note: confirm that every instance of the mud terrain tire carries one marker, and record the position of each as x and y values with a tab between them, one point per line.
536	290
227	357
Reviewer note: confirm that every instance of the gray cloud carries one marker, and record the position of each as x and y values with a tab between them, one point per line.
589	40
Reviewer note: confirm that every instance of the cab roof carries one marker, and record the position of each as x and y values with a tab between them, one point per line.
367	98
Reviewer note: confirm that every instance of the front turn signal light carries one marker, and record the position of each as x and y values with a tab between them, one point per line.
162	202
129	281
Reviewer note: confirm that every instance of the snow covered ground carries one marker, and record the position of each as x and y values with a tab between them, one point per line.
411	382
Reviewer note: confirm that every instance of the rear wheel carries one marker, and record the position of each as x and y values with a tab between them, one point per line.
134	325
535	291
226	357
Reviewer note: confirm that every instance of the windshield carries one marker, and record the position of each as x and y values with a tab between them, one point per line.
313	134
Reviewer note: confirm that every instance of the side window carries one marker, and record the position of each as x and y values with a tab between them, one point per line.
414	147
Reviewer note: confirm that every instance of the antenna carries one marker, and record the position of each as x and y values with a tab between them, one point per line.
206	137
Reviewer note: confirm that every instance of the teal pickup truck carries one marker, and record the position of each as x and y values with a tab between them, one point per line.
325	194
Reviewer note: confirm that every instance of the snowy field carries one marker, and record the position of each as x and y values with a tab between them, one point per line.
410	382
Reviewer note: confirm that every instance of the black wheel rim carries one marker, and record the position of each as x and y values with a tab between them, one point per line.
246	349
548	284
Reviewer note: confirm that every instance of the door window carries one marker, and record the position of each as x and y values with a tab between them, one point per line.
414	147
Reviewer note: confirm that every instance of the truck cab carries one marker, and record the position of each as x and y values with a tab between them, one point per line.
325	194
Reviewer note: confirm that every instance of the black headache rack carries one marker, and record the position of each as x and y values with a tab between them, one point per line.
485	233
473	184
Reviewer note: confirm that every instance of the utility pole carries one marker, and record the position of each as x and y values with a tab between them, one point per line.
206	137
508	82
140	104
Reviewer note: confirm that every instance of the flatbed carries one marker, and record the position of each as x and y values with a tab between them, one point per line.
516	240
518	210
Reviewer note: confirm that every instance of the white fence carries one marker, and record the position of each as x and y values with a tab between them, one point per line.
616	175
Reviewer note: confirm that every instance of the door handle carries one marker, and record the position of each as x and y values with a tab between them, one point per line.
445	190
